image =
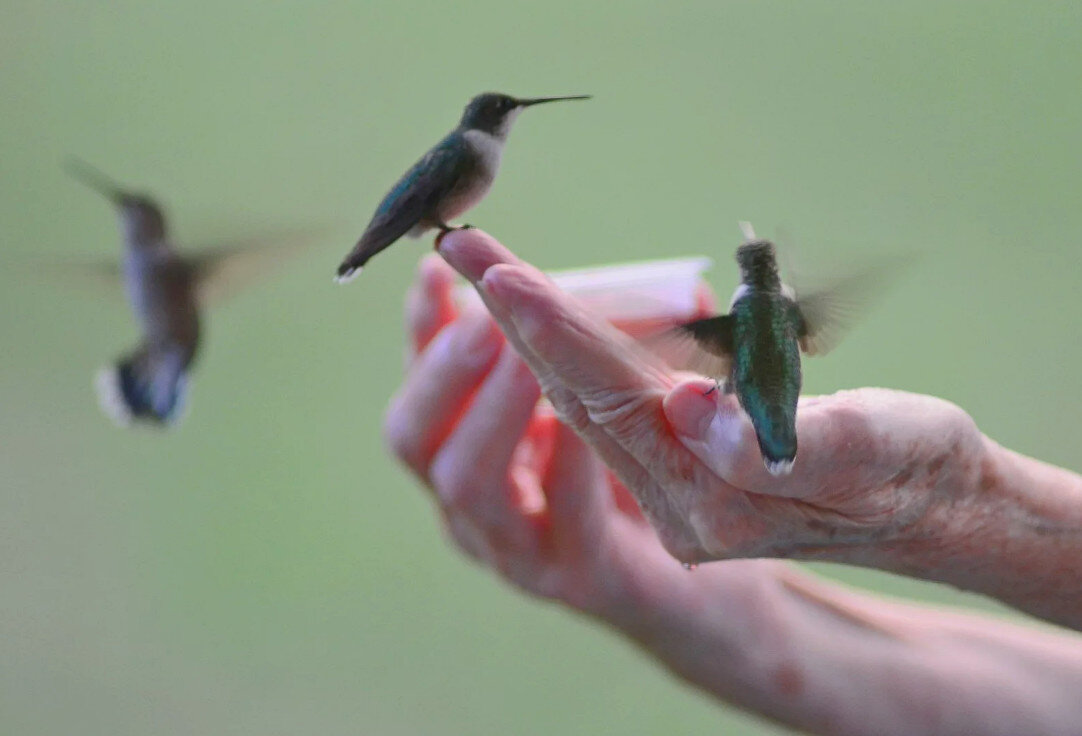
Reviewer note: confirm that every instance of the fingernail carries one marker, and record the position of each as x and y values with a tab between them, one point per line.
493	289
508	285
490	285
689	411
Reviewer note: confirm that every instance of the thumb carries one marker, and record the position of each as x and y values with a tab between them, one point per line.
715	429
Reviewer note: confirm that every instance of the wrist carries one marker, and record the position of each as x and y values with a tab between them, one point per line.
1010	529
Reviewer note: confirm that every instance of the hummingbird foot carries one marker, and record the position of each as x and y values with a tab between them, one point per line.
445	228
717	386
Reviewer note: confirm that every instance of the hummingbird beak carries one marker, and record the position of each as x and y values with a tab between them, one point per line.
539	100
86	174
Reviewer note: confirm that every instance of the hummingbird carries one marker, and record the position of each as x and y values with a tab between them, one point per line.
451	178
755	348
165	290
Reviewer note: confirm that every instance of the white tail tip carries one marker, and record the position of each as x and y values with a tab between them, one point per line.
348	276
110	397
779	467
748	230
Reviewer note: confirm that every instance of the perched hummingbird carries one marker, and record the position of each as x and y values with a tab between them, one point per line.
448	180
165	291
756	347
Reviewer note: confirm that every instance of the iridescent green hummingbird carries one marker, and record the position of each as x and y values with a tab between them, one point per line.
755	348
451	178
166	291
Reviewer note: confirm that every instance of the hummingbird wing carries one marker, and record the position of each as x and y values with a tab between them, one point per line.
223	270
825	314
102	276
704	346
411	200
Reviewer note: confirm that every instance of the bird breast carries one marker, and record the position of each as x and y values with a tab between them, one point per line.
474	185
162	296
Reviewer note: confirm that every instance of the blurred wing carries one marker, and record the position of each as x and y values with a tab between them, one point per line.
224	270
825	314
99	276
704	346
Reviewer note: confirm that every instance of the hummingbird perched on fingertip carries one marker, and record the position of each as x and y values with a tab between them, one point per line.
166	291
451	178
754	350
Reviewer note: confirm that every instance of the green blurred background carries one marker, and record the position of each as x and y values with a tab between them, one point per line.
267	568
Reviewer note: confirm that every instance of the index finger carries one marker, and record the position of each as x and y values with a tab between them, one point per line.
473	254
619	387
551	324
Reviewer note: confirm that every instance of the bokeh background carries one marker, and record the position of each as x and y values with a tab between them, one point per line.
267	568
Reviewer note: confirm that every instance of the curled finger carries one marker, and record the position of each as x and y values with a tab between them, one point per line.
438	388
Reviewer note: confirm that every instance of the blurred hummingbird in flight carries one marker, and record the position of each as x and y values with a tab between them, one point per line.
754	350
451	178
166	291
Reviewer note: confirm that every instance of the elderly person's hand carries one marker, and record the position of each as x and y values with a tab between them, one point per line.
518	490
525	496
882	478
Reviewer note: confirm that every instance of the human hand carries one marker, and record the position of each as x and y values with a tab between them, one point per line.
525	496
879	478
517	490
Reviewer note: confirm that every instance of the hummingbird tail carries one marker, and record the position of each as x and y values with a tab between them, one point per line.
777	443
353	264
779	467
347	273
376	238
137	389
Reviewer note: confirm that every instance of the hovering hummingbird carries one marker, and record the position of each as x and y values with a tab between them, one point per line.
755	348
451	178
165	290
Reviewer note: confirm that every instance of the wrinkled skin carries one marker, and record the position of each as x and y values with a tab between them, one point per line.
691	461
887	479
883	478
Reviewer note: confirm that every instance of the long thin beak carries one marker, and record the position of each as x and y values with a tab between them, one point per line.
91	177
539	100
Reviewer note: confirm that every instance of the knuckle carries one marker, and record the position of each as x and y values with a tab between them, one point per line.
468	538
632	416
400	437
569	410
453	487
680	546
959	424
851	419
548	583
